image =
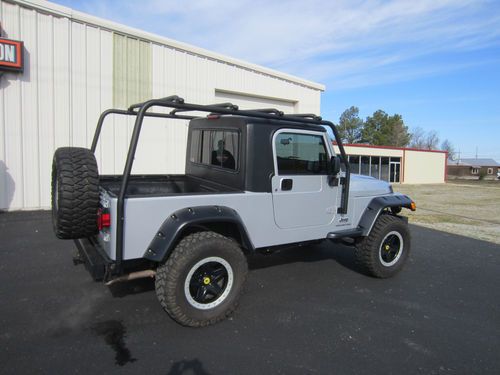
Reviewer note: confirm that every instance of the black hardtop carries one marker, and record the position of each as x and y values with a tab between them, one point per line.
256	161
234	121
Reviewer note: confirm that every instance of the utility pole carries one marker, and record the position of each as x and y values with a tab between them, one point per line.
476	152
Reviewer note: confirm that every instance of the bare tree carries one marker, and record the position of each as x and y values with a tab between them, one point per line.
448	146
421	139
432	140
417	138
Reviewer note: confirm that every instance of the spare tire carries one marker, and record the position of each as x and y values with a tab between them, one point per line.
75	193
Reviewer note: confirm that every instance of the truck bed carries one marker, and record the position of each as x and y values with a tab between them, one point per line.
162	185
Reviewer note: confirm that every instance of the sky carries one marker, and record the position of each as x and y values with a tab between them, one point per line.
435	62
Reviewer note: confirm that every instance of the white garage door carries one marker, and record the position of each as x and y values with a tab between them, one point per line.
254	102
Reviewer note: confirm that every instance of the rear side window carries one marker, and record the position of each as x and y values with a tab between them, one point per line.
300	154
219	148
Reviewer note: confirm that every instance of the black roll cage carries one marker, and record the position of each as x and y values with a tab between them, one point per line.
140	110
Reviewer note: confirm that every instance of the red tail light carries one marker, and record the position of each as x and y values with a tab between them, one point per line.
103	219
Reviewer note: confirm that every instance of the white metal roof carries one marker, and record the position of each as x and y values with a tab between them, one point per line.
74	15
472	162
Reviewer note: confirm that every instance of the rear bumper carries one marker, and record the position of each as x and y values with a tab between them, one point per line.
94	258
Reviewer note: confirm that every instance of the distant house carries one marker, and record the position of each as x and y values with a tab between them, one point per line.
473	168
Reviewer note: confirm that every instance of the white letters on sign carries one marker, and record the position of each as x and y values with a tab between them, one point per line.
7	53
11	55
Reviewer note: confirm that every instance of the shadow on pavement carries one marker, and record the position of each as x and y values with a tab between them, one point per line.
325	251
343	255
137	286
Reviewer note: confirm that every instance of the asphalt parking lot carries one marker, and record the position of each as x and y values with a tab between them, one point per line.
306	310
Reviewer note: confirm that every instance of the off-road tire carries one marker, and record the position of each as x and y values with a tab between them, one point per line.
368	251
75	193
171	277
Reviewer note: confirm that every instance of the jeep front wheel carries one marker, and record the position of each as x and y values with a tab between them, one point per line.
385	250
202	280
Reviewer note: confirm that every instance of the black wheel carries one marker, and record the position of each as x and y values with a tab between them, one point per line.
202	280
75	193
385	250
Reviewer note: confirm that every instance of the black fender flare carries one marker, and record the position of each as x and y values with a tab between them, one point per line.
169	232
376	206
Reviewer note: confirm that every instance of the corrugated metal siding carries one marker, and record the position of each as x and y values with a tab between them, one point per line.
69	80
245	101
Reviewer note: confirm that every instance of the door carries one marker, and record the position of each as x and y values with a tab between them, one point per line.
302	196
394	171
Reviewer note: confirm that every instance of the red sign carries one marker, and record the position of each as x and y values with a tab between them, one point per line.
11	55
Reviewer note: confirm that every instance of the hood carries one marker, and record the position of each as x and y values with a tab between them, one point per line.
365	186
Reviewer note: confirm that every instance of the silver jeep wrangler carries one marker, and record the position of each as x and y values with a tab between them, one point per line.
255	180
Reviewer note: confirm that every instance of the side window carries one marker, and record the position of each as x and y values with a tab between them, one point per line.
300	154
215	147
194	154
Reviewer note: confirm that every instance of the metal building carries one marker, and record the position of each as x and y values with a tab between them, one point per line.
77	65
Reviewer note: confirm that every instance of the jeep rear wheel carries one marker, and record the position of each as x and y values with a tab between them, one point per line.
75	193
385	250
202	280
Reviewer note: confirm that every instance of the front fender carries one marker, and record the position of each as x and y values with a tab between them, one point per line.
376	206
169	232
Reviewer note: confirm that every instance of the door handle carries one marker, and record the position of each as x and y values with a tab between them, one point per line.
286	184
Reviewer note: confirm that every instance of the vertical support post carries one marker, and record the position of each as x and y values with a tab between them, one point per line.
345	187
123	189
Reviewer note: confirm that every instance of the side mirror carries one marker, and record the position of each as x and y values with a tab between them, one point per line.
334	166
